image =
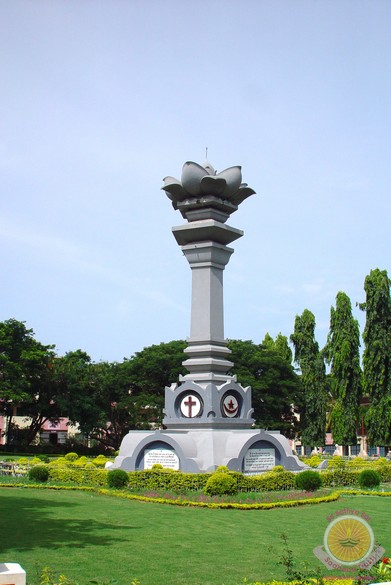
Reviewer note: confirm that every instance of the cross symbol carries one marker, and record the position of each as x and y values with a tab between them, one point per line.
190	403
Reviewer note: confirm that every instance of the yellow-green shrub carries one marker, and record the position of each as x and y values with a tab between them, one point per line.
22	461
340	477
168	480
336	462
220	484
100	461
358	462
221	469
313	461
270	481
81	462
71	456
89	477
60	462
384	470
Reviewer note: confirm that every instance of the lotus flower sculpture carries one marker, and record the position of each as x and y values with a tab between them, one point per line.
201	188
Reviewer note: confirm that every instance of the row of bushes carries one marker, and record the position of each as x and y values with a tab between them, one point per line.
221	482
337	461
70	460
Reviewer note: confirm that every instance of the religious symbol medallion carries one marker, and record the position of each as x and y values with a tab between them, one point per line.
190	406
230	406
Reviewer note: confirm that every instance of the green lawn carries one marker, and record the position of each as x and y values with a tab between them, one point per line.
89	536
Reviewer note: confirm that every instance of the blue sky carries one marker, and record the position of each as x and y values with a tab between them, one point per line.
102	99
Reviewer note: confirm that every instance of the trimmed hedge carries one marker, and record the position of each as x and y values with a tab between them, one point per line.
312	461
117	478
90	477
82	472
267	482
220	484
384	470
39	473
369	478
308	481
169	480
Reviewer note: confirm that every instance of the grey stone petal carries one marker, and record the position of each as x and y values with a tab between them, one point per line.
169	180
213	185
241	194
174	189
233	177
208	167
192	174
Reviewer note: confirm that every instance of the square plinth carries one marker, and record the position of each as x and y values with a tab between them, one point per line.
12	574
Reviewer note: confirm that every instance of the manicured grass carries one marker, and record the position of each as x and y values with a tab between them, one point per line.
89	536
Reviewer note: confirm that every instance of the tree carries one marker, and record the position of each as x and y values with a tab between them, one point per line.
25	371
276	388
107	400
95	397
77	390
279	345
313	376
149	371
342	352
376	357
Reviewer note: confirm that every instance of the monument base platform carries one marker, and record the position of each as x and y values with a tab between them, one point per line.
250	451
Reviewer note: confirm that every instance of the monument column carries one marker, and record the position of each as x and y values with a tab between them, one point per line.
206	200
207	261
203	242
208	414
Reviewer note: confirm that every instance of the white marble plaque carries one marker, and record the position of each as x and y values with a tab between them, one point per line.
165	457
257	460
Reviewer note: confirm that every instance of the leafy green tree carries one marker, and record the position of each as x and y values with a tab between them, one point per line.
276	388
107	400
149	371
123	407
77	389
25	371
342	352
279	345
377	356
95	396
313	376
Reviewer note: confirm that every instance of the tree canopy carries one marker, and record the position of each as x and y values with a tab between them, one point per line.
342	352
377	356
276	388
25	371
313	376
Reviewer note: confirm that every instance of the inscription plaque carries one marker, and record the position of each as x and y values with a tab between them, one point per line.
257	460
165	457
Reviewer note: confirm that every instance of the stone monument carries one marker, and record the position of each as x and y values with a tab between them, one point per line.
207	416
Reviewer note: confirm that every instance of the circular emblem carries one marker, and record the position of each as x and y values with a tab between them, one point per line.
230	406
348	540
190	406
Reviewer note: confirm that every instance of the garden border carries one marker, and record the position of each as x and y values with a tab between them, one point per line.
334	496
